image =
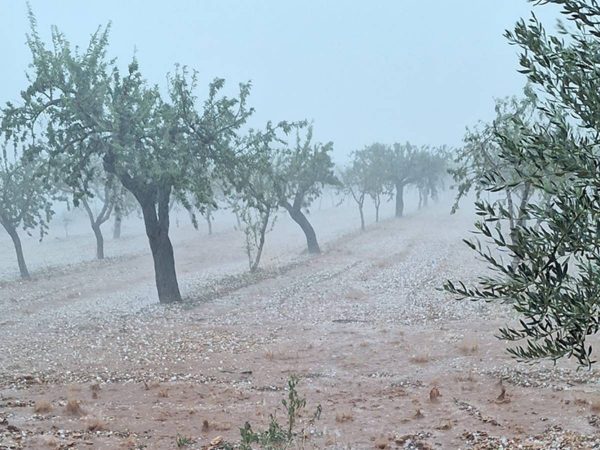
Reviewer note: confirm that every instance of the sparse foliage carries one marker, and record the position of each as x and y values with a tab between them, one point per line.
278	436
25	202
299	174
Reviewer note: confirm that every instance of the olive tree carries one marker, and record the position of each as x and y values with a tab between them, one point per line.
555	287
481	156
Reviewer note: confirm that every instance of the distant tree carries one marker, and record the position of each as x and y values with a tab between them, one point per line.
249	190
481	156
432	166
355	183
299	174
84	108
125	204
66	220
555	285
102	191
25	202
401	171
106	192
209	215
373	158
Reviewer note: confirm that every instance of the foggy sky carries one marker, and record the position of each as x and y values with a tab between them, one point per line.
384	71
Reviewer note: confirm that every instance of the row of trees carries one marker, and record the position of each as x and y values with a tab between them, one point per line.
89	134
379	171
110	143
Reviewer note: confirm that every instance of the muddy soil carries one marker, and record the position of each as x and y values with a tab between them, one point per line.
88	359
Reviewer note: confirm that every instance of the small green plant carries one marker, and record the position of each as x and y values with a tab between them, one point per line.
278	436
183	441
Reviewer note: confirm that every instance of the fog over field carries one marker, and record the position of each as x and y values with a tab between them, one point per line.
299	225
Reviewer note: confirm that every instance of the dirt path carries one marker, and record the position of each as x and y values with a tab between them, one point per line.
363	326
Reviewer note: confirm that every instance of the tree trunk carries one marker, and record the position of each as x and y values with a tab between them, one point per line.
521	218
117	225
156	222
96	223
362	217
209	221
164	268
261	242
99	241
309	232
399	200
511	214
377	205
14	235
157	230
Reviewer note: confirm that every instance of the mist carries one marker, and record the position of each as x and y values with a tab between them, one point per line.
244	225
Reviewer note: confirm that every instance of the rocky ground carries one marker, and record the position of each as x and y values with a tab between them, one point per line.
89	360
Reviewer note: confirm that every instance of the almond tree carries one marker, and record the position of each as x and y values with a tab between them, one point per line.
481	156
106	192
299	174
354	180
25	202
247	184
102	191
374	159
125	204
401	171
432	171
83	108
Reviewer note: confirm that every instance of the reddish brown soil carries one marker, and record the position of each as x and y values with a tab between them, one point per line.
394	362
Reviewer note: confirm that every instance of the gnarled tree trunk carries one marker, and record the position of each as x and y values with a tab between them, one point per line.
311	238
155	209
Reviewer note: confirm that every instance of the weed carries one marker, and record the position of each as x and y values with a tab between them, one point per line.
468	347
73	408
183	441
277	436
94	425
420	359
345	416
163	393
42	407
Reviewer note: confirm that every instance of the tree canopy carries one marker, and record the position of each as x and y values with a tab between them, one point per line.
81	107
